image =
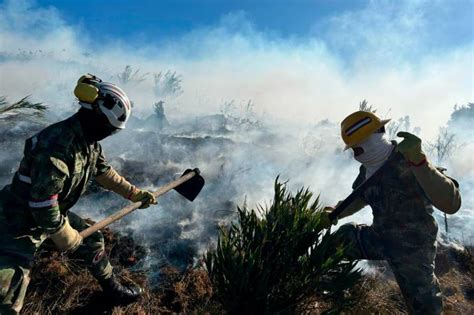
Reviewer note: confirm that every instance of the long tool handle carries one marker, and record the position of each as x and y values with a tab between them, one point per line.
344	204
134	206
362	187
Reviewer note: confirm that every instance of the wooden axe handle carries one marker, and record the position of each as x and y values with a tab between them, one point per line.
134	206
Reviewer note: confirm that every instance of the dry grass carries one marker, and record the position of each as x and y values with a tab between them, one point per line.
59	286
457	282
379	293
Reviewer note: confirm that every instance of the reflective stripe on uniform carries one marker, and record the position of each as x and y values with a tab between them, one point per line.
49	202
25	179
34	141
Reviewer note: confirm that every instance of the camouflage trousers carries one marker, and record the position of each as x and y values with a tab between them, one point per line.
17	257
413	267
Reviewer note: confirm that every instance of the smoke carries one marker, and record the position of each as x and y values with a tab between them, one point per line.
391	62
300	89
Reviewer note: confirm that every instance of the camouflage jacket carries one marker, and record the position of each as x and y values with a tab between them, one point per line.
54	172
402	213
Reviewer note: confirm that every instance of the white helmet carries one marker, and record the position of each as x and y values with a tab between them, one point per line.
107	97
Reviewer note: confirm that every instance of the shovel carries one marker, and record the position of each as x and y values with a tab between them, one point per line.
189	185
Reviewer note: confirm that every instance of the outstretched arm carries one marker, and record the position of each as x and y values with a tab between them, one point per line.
108	178
357	205
353	207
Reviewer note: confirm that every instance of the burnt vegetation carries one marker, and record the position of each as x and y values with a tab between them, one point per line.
273	259
59	287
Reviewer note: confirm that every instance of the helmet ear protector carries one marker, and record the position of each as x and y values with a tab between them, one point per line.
103	98
86	89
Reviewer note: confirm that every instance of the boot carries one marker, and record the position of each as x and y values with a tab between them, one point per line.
118	292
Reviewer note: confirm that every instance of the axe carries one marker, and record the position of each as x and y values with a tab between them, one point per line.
189	185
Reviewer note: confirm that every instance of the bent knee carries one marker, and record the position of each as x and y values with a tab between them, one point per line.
346	234
348	230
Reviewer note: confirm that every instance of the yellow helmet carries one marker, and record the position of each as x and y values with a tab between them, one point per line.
358	126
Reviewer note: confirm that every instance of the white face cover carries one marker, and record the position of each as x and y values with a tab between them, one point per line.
376	151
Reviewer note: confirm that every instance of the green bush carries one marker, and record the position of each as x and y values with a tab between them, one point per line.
274	258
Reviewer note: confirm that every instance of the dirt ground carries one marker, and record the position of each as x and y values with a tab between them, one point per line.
60	286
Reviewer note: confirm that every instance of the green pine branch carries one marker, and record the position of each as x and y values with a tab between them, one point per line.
22	106
272	259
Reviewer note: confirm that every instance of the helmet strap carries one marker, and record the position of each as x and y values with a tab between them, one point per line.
95	125
94	106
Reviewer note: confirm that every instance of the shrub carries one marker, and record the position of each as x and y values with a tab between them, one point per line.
274	258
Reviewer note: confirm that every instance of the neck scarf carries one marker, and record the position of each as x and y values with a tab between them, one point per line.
376	151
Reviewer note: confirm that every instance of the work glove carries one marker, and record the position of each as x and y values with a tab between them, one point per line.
144	196
66	238
410	148
325	221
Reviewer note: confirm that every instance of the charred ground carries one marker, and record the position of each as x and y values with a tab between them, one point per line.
161	248
56	288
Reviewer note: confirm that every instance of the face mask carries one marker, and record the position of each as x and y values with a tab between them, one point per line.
95	126
101	132
375	151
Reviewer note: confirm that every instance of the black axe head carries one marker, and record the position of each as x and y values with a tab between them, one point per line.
191	188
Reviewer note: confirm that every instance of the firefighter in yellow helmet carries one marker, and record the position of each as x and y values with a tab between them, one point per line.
57	165
401	196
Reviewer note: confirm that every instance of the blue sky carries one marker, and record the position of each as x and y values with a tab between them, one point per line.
170	18
445	23
297	60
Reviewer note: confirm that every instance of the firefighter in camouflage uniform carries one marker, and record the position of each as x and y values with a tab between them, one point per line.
58	163
403	231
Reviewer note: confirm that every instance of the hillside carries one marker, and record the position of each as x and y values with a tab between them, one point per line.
58	287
